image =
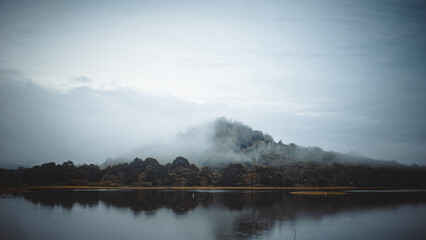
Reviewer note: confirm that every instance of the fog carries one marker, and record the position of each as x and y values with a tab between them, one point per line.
212	143
86	82
109	126
83	125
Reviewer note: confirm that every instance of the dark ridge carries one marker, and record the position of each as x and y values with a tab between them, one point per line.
149	172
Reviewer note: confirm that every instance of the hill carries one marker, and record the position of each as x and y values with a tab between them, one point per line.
232	141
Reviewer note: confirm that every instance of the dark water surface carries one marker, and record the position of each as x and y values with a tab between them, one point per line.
190	214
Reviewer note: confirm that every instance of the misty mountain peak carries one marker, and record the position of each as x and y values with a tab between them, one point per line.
181	162
223	141
234	134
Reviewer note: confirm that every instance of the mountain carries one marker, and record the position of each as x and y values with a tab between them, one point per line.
232	141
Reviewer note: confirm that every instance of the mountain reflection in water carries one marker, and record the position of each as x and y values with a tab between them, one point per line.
251	214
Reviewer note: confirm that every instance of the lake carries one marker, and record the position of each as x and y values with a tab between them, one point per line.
211	214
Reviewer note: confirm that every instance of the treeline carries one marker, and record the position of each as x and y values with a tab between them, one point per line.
180	172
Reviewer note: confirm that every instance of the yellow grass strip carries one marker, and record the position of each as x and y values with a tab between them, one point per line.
318	193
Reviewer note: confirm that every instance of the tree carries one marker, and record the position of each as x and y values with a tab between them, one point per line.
233	175
289	182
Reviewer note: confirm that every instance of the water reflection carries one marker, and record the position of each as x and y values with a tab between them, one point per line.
234	214
277	202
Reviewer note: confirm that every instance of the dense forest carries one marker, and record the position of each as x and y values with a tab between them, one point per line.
180	172
237	156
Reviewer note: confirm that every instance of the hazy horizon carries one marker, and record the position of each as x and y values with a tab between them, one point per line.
90	80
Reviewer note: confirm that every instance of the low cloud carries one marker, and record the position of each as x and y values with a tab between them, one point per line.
81	79
83	125
86	125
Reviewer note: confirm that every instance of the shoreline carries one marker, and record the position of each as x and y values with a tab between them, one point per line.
24	189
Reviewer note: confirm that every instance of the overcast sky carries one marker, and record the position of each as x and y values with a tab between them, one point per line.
88	80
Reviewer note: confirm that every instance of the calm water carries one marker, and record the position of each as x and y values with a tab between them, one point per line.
162	214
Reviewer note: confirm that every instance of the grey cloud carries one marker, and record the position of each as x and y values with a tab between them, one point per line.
87	126
83	125
81	79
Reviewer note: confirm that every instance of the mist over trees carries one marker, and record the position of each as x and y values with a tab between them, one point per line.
224	141
236	155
